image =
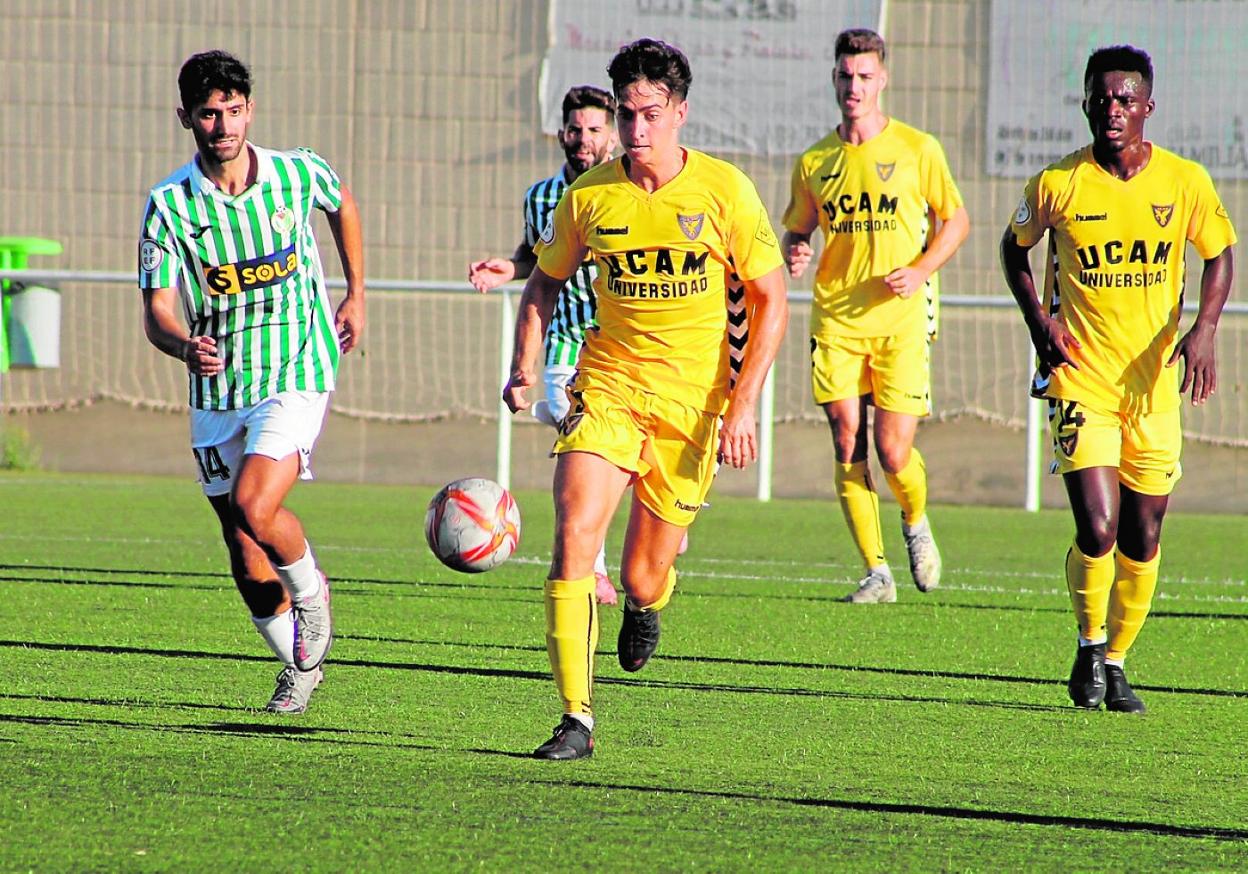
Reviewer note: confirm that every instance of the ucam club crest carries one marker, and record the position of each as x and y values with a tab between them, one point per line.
885	171
691	225
1163	213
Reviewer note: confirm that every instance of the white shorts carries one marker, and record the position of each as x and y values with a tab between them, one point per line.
276	427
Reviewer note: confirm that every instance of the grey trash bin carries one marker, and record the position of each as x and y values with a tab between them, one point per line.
34	326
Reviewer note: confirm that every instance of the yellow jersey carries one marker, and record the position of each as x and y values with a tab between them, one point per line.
871	200
1120	249
663	262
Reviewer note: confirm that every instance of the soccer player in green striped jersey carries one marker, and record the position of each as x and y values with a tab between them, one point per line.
227	240
587	138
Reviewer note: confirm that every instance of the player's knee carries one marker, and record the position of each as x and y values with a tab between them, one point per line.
255	514
1097	534
893	459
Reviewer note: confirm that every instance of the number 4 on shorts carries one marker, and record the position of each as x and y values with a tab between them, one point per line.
210	464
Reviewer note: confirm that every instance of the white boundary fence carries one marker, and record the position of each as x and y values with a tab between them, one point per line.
508	296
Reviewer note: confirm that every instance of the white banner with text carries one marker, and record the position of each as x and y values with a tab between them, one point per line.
762	69
1037	56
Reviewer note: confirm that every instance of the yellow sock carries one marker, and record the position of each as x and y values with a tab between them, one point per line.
861	506
1089	580
1129	600
669	585
909	486
571	639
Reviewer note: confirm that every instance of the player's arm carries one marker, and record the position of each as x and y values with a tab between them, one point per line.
766	300
1197	346
953	231
344	224
537	303
164	331
1053	343
493	272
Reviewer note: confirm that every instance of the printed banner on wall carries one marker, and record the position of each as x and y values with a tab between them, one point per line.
762	69
1038	52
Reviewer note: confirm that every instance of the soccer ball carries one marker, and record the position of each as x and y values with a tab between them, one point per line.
473	525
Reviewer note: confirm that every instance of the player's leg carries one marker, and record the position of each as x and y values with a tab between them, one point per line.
1088	448
1150	468
1093	495
281	432
587	490
218	436
901	389
679	458
841	384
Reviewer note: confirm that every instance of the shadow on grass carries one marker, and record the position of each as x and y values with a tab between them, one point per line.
281	728
967	813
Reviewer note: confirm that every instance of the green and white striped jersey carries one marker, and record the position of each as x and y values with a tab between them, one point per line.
576	305
249	274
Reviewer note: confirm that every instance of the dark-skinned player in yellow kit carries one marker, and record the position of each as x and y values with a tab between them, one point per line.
1121	212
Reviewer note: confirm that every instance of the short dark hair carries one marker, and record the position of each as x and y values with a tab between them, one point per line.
859	41
588	97
652	60
1119	59
210	71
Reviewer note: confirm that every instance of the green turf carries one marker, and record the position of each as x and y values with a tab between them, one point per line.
775	730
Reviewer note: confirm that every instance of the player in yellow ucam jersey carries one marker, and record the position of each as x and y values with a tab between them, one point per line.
874	187
665	226
1121	212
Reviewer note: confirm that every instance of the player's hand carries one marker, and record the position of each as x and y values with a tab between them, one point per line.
491	273
905	281
1200	371
1055	345
738	441
200	355
349	321
517	385
797	257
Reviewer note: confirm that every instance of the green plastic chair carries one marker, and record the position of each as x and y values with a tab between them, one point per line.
13	254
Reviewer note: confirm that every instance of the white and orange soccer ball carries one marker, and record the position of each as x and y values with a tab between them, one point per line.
473	525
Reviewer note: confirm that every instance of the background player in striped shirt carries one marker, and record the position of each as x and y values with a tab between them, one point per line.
227	239
1119	213
873	185
587	139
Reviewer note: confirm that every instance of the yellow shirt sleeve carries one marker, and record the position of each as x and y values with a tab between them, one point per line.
939	189
561	247
752	242
1031	217
802	214
1209	227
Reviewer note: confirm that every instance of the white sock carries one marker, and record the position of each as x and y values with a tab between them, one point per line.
600	563
583	718
917	528
301	579
1083	641
279	633
881	569
1117	663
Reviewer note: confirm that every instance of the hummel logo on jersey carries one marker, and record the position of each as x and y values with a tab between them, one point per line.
195	235
836	175
688	508
603	231
255	273
1094	217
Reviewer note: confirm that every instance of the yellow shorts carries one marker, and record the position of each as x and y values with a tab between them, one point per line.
893	370
669	447
1145	447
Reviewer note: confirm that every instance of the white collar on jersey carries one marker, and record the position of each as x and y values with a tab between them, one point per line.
264	171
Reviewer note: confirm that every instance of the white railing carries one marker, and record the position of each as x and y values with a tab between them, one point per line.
507	296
